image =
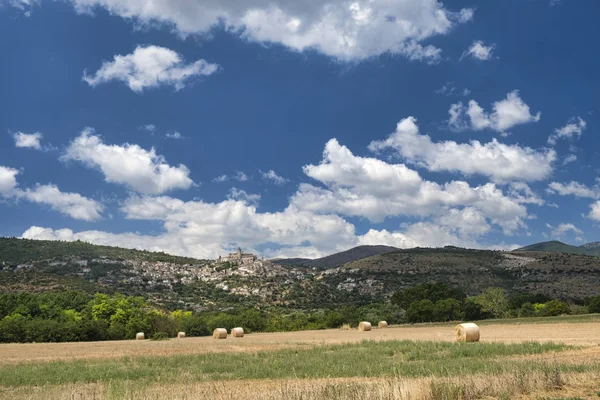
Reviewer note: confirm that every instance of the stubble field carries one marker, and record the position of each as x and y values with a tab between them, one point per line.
542	359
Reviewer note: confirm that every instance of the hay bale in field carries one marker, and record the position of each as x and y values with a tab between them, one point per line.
364	326
220	333
346	327
181	335
382	324
140	336
237	332
468	332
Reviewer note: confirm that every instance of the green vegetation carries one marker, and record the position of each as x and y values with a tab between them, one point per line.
18	251
366	359
77	316
592	249
437	302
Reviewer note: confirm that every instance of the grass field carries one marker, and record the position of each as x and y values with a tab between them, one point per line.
553	360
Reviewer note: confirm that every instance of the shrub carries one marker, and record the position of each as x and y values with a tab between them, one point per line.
160	336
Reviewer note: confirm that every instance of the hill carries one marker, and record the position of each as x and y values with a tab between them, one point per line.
19	251
178	282
592	249
353	254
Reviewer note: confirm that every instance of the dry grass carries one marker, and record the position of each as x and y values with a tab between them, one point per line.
572	373
510	386
583	334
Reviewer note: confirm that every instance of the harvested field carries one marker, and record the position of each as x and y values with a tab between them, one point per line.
569	333
521	361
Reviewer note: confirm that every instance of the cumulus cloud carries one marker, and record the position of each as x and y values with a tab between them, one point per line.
500	162
595	211
272	176
374	189
149	67
72	204
346	30
478	50
8	180
574	189
575	127
28	140
506	114
562	229
141	170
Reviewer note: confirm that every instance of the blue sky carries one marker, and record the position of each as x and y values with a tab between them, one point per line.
299	129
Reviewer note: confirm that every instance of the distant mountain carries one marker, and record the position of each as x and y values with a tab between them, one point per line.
354	254
591	249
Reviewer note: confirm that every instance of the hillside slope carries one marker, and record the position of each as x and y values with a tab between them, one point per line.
591	249
177	282
333	260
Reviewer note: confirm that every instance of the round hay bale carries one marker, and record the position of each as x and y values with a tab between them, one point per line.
382	324
139	336
468	332
364	326
220	333
181	335
237	332
346	327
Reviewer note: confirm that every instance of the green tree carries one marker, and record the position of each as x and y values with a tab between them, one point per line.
448	310
594	306
431	291
420	311
493	301
526	310
557	307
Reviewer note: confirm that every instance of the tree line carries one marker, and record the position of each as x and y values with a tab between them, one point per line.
77	316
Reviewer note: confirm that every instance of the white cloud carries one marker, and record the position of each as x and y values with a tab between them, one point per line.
575	127
450	89
595	211
500	162
72	204
24	5
562	229
575	189
28	140
273	177
522	193
149	128
8	180
240	176
569	159
374	189
174	135
506	114
221	178
149	67
141	170
242	195
346	30
480	51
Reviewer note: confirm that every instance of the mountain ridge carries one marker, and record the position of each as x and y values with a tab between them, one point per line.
555	246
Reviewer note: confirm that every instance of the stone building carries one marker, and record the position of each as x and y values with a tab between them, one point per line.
238	257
